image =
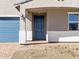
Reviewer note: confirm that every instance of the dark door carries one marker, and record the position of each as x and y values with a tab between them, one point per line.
38	28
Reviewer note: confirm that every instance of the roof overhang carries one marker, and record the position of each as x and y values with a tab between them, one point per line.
51	3
17	4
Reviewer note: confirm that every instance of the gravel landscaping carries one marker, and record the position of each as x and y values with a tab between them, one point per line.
48	51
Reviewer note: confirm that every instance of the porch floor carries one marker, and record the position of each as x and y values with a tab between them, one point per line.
36	42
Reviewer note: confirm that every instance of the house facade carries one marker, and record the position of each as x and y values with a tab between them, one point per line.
48	20
9	21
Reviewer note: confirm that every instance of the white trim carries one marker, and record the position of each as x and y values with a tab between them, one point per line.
73	12
9	15
73	22
68	21
22	37
29	35
78	22
47	37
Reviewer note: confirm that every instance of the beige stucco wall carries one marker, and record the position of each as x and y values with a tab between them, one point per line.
7	7
57	26
57	20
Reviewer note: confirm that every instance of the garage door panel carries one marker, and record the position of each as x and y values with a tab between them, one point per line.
9	29
9	23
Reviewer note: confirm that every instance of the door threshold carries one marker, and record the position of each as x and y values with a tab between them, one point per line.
37	42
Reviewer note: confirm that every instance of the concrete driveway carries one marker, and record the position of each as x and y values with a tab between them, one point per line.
7	50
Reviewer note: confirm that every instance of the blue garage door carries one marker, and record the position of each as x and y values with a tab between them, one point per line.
9	29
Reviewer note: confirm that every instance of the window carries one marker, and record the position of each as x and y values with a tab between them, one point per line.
60	0
73	21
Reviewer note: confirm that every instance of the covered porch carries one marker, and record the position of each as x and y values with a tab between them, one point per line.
56	25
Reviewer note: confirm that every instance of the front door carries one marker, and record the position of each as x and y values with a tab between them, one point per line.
38	28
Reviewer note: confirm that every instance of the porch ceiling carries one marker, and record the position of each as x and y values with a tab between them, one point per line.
46	9
51	3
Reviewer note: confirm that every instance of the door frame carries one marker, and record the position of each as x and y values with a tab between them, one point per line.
39	14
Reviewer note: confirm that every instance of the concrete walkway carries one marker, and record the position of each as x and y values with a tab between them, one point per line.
7	50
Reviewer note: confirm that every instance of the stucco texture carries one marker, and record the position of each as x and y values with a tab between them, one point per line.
7	7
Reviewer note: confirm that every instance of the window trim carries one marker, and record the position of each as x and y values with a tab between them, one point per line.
68	20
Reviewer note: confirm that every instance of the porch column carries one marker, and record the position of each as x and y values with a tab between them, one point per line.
28	17
22	32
